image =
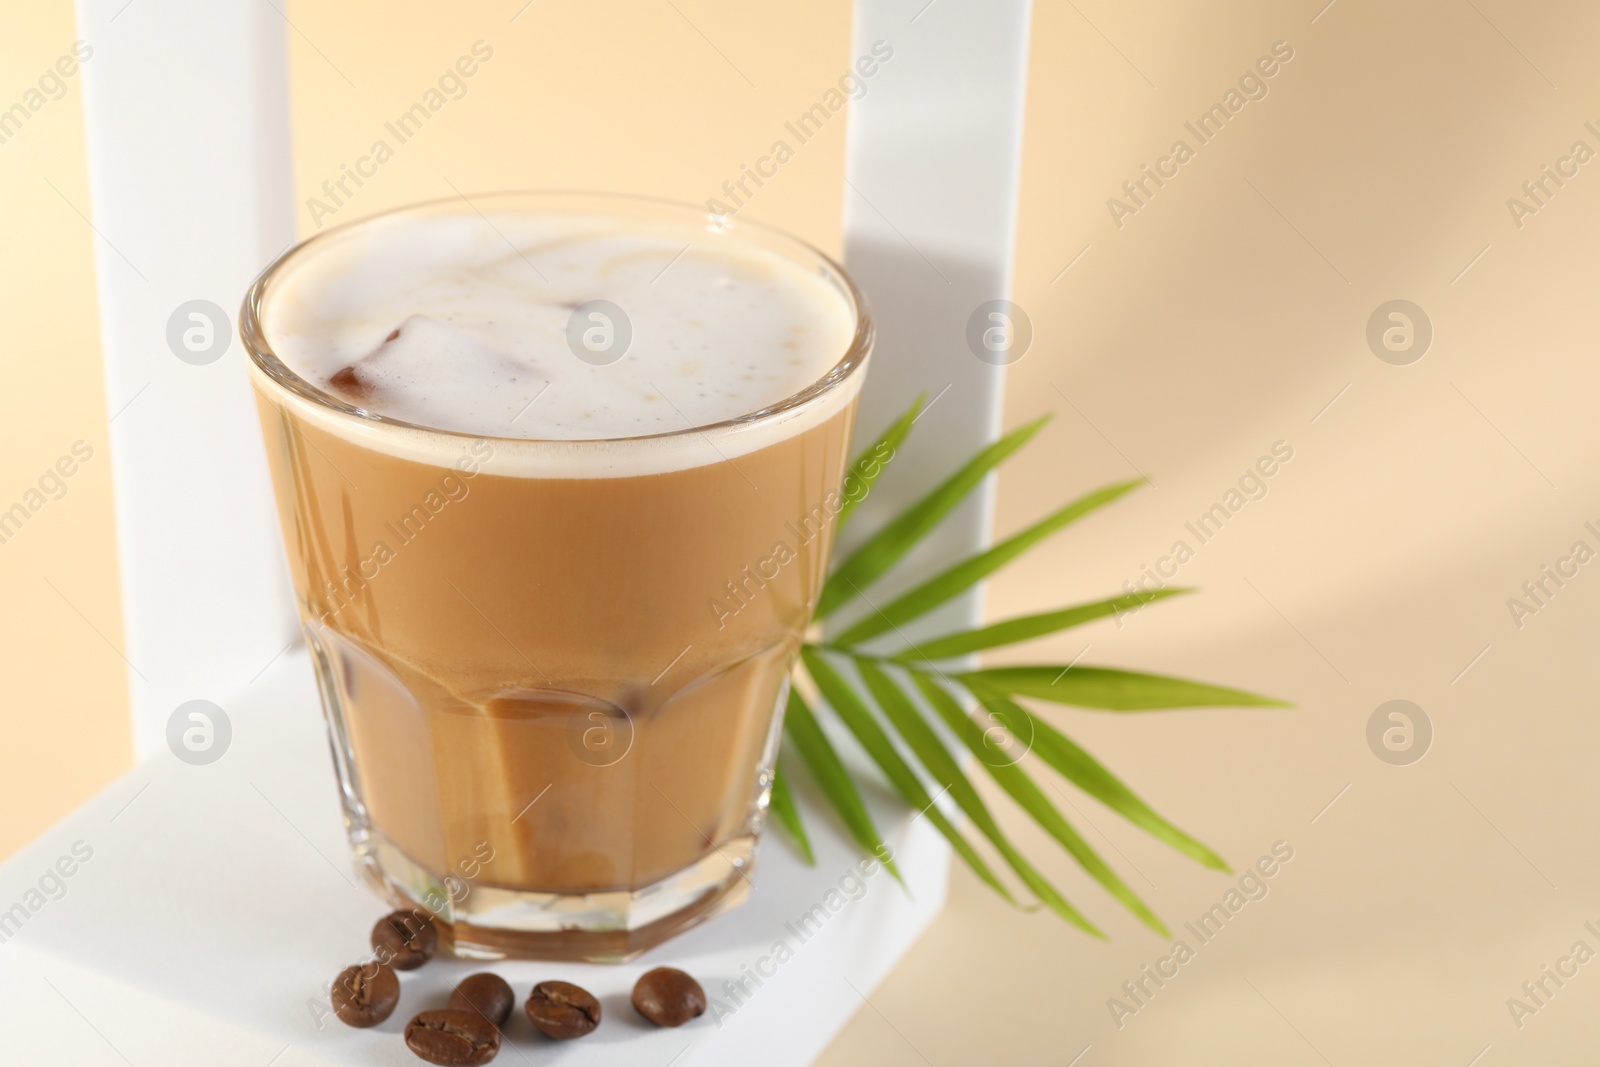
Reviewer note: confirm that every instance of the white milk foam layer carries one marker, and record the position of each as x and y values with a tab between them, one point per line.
461	322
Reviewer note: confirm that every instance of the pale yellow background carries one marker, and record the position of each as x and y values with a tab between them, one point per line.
1227	315
64	717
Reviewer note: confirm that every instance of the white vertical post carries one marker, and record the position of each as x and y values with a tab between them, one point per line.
187	111
930	222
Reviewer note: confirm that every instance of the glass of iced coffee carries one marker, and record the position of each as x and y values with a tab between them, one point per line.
556	475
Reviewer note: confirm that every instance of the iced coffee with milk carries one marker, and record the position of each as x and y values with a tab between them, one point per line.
556	476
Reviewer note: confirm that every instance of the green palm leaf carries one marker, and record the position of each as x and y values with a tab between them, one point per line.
1027	627
974	569
1010	778
784	807
884	549
850	708
1022	789
1109	690
1064	756
996	688
871	464
927	746
815	749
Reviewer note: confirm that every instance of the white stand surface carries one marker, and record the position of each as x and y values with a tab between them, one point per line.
219	900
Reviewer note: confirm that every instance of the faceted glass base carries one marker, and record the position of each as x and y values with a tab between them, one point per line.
480	921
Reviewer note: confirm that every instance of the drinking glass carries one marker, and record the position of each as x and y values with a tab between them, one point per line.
554	671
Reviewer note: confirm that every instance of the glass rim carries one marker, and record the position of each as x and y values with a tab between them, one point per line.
252	332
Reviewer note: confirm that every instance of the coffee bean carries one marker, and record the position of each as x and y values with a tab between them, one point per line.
453	1038
668	997
365	995
405	940
485	993
562	1010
